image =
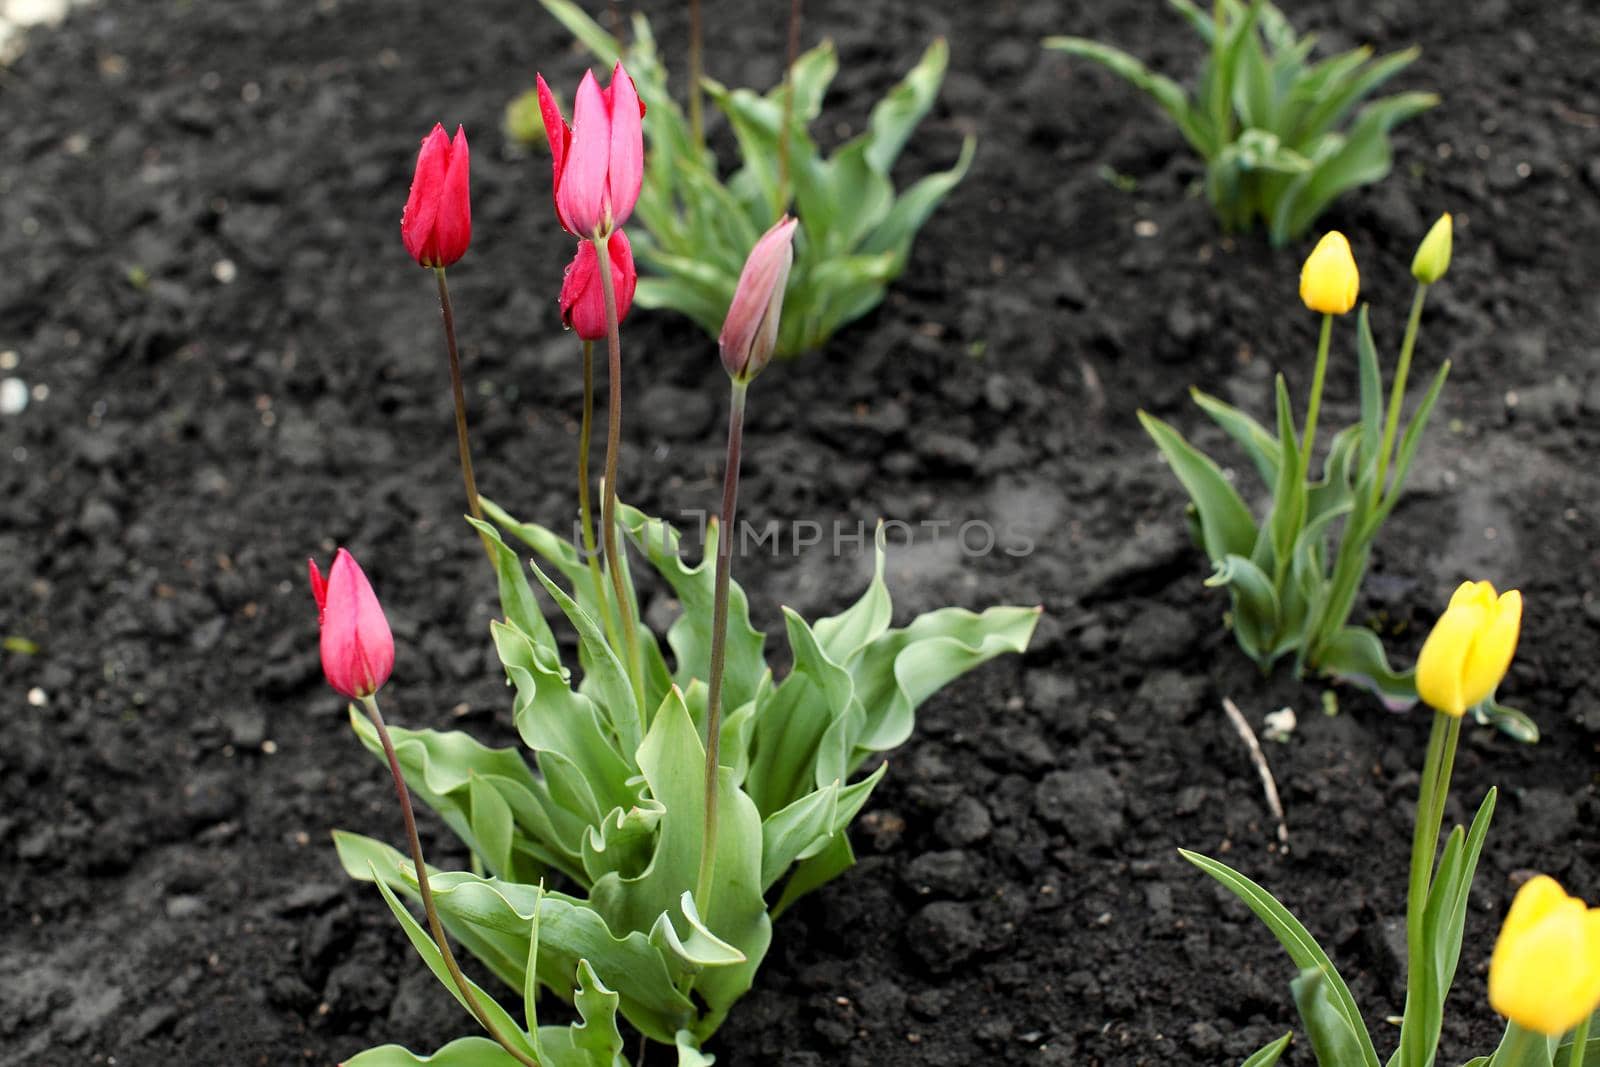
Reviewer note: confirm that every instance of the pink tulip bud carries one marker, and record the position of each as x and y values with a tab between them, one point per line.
597	163
750	332
357	647
583	301
437	223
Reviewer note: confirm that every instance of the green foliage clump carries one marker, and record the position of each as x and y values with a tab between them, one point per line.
1276	131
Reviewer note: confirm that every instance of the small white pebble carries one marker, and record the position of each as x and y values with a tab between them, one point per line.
224	271
269	746
37	697
13	396
1280	724
1146	228
41	392
9	360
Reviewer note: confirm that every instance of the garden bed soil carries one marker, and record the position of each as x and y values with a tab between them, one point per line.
232	365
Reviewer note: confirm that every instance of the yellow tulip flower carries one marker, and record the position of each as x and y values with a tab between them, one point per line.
1545	971
1329	281
1470	648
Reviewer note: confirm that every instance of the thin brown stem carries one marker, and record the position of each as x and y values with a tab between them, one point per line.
788	107
719	644
696	109
447	313
434	926
585	511
608	502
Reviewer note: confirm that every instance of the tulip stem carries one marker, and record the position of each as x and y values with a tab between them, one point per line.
697	125
447	313
608	502
585	511
719	644
788	108
1431	796
370	702
1397	394
1314	408
1580	1043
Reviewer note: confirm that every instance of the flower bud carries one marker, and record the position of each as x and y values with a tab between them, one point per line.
1469	649
583	300
750	332
1545	971
1433	254
597	162
437	223
357	647
1329	281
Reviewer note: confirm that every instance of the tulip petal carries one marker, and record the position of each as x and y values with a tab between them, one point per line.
1496	643
1443	657
422	205
626	173
453	224
555	127
1478	594
357	646
319	588
582	302
583	305
581	196
752	318
623	272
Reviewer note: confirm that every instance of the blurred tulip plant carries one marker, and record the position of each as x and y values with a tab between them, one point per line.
1544	975
667	802
1293	578
855	229
1275	130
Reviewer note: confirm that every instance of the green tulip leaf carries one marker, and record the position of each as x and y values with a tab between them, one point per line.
1335	1009
1269	1054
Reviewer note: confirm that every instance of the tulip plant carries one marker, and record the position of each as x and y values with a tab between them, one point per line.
855	230
1274	130
1544	976
666	804
1293	578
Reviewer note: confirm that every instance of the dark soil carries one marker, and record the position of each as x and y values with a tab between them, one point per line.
235	366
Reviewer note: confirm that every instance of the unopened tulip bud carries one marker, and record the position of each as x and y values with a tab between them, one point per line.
437	223
597	162
357	647
1329	281
750	332
1545	971
1469	649
583	303
1433	254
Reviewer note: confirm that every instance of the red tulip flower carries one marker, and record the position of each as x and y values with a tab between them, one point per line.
750	332
599	160
583	304
357	647
437	224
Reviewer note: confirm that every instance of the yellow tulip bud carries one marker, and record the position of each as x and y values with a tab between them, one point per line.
1545	971
1433	254
1470	648
1329	281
